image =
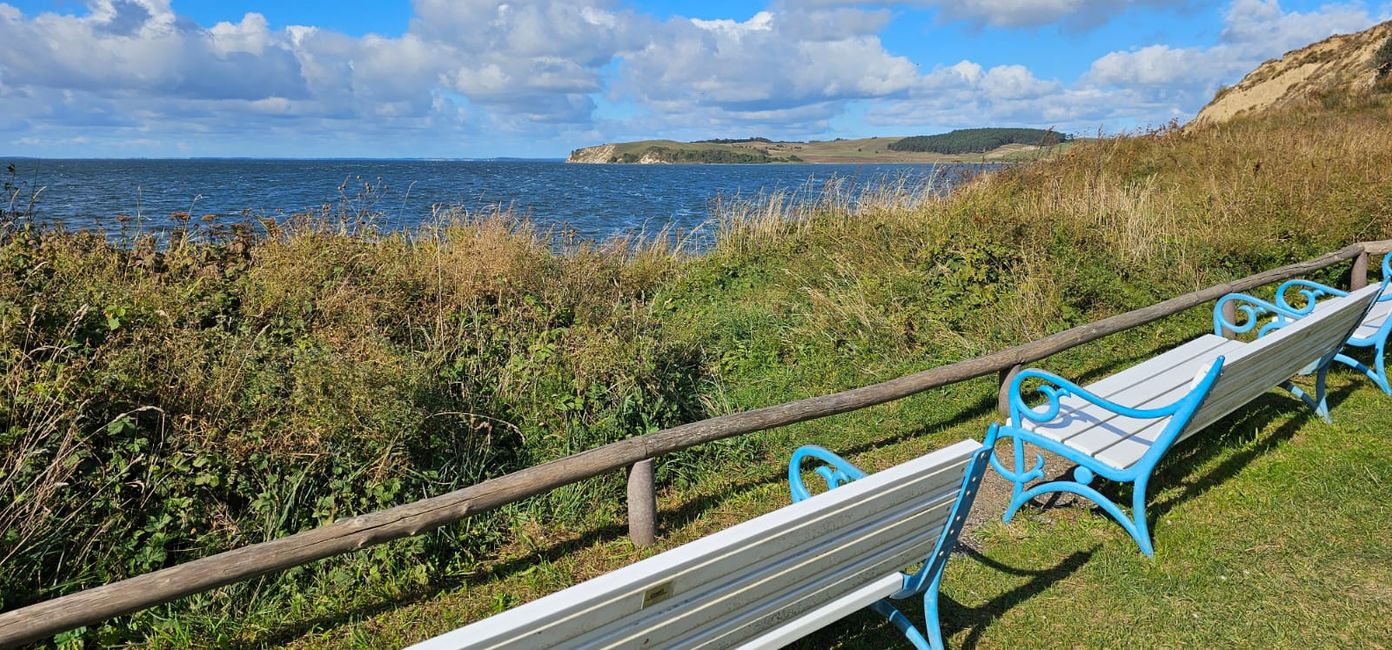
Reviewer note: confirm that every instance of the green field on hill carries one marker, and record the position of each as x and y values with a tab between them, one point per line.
164	400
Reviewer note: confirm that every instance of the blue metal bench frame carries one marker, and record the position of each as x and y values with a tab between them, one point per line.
1055	388
1312	291
1280	316
836	471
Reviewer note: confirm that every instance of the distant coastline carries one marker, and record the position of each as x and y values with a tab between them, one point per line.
985	145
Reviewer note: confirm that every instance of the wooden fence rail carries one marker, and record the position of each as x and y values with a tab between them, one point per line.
42	620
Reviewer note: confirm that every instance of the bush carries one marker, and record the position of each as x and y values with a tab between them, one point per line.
161	402
1382	59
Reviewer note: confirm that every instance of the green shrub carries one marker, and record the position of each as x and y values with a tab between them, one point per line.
160	403
1382	60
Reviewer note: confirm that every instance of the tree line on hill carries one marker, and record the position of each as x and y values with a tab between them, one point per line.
978	140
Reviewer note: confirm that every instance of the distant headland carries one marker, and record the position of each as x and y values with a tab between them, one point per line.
963	145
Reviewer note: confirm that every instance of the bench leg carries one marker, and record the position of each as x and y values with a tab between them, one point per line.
1317	402
1020	477
931	624
1378	373
1140	530
1379	361
897	618
1134	524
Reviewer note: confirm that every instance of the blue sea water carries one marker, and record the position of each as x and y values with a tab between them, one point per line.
595	201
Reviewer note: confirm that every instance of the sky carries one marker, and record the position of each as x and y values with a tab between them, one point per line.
537	78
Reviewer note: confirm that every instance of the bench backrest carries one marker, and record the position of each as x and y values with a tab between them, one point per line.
1266	362
739	583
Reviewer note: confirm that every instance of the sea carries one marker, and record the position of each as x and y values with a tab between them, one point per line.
593	202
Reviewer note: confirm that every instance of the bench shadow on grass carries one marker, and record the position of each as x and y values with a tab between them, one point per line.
868	630
1235	430
1179	469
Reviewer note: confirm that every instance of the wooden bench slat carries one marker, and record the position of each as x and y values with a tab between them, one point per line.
1249	370
1374	320
748	578
814	537
779	591
1276	357
1093	429
1132	387
817	578
1370	323
825	615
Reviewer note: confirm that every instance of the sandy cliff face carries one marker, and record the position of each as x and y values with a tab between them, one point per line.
599	154
1339	63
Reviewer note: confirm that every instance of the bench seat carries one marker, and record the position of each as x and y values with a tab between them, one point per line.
1303	297
1118	428
1121	441
769	580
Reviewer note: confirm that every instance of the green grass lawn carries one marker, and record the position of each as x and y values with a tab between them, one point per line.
1271	529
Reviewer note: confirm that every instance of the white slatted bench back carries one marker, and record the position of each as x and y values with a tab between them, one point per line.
1266	362
742	582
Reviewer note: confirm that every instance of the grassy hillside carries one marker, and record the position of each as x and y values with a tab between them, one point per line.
692	152
159	402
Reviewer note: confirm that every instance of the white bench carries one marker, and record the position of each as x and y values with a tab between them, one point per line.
770	580
1372	333
1119	428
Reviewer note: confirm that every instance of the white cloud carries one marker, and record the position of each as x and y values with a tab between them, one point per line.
1014	82
1074	14
1155	65
769	63
1146	85
1253	31
136	71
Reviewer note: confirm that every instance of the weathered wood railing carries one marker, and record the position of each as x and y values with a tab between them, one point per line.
47	618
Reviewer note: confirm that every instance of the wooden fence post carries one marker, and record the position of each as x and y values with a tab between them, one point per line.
642	504
1229	316
1358	278
1003	397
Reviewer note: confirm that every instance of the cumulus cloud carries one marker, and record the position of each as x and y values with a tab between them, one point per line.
531	60
1074	14
1154	65
140	45
135	71
1146	85
1253	31
1034	13
768	63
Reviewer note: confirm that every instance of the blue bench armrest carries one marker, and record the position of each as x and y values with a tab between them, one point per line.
1250	310
1309	290
1055	388
1312	291
835	470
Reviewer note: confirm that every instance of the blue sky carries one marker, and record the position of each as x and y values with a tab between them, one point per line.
462	78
